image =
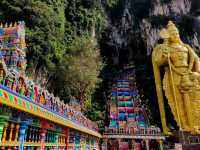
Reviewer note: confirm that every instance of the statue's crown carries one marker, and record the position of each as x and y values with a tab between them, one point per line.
171	27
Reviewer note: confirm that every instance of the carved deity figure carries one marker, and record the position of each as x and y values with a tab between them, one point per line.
181	80
21	86
3	71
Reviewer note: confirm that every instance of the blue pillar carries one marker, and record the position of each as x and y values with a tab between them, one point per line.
56	141
22	131
28	148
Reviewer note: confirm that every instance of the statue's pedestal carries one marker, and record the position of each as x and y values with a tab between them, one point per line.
186	141
180	146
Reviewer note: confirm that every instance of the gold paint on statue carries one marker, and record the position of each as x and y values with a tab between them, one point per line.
181	81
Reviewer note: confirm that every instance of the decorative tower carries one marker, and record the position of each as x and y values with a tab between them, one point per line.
13	46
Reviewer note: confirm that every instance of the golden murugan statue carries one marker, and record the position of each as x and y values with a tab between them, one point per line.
181	81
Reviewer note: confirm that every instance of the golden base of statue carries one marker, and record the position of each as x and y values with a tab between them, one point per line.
186	141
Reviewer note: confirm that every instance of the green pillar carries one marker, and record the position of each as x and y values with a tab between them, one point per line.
3	121
1	131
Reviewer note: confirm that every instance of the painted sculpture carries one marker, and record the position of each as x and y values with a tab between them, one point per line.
30	116
180	82
3	72
12	73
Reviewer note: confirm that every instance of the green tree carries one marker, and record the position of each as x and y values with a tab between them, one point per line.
61	49
80	67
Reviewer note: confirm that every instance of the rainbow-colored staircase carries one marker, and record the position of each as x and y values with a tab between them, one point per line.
125	111
129	126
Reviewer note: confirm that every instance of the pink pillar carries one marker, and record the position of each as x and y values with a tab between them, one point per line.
43	131
42	138
66	137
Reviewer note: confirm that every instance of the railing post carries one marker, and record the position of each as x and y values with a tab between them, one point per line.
43	133
5	132
105	144
30	135
1	131
42	138
11	131
56	141
147	144
22	130
17	133
3	127
160	144
67	138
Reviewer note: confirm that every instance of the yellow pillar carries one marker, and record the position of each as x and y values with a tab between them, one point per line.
63	139
11	131
147	144
17	132
4	133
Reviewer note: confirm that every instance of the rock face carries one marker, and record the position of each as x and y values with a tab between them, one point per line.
132	31
133	25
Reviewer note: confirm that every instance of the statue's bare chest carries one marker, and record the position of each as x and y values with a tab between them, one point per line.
179	56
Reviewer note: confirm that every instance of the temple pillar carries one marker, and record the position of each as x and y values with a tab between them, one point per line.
42	138
30	135
17	133
56	141
37	133
119	141
160	144
105	144
28	148
33	135
5	132
43	133
67	137
147	144
132	144
1	131
22	130
11	131
3	127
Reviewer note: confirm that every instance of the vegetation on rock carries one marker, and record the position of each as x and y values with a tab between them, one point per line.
62	54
